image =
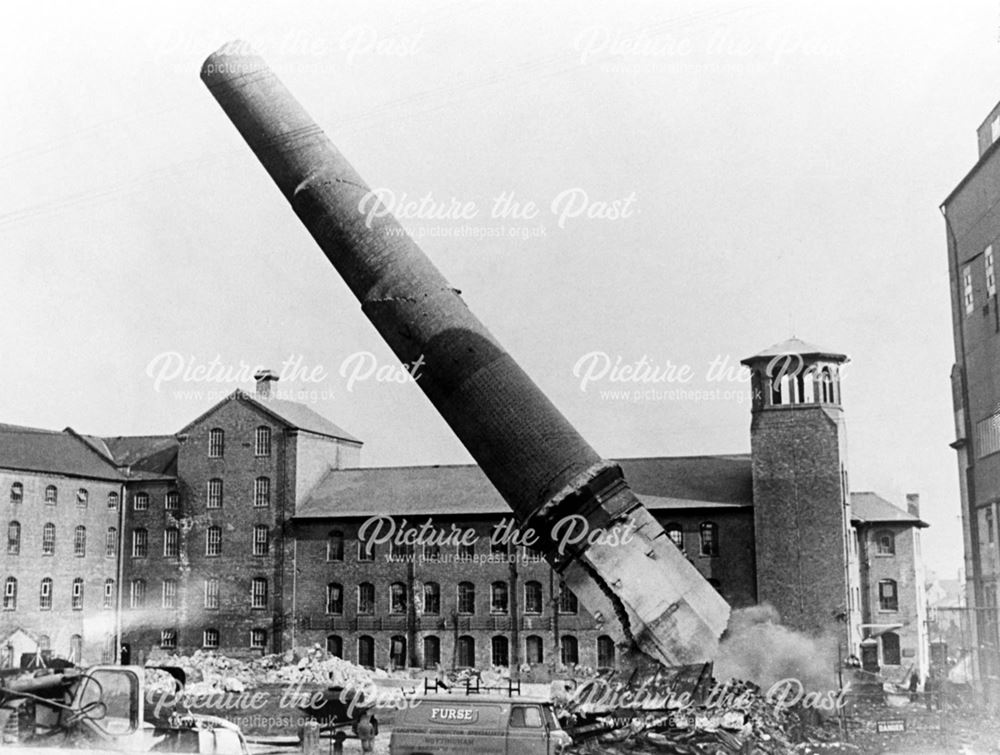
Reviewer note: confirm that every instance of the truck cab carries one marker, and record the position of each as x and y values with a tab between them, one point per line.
483	724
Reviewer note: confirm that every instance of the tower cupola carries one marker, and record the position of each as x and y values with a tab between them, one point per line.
795	373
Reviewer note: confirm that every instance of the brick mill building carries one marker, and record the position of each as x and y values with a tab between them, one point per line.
242	532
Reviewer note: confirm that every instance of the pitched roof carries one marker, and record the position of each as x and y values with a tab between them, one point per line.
797	347
148	456
32	449
463	489
871	508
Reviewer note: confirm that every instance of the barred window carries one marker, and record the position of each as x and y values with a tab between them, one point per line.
16	492
10	594
140	542
45	595
216	443
168	598
210	638
213	541
258	638
140	502
113	500
215	493
258	593
82	498
80	541
109	593
262	441
137	593
172	501
334	598
211	593
13	538
48	539
261	542
262	492
171	542
76	600
111	543
51	495
168	639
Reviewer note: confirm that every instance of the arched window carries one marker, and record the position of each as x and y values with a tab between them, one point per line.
262	492
258	592
432	552
10	594
335	645
80	541
335	598
888	599
172	501
885	542
45	595
466	652
533	649
140	502
709	539
366	651
82	498
51	495
171	542
676	534
140	542
466	598
432	597
48	539
400	551
335	546
113	500
75	648
567	600
397	598
605	652
210	638
261	540
213	541
211	593
262	441
168	598
214	493
13	538
532	597
890	649
366	599
466	551
569	650
216	443
258	639
498	599
500	650
366	550
111	543
137	593
109	593
16	492
76	599
397	651
432	651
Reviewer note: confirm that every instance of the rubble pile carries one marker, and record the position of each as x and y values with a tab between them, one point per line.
208	671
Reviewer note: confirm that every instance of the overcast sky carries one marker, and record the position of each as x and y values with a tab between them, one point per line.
776	169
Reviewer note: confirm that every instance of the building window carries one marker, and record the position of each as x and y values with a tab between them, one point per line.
173	501
169	596
709	539
466	652
366	651
533	649
466	598
216	443
569	650
137	593
82	498
532	597
466	552
113	501
111	543
168	639
890	649
397	651
500	651
140	543
262	441
605	652
335	546
567	600
432	651
397	598
261	541
140	502
498	548
676	534
432	552
13	538
262	492
258	639
334	598
80	541
109	593
76	597
400	551
335	645
213	541
51	495
210	638
432	597
366	599
171	542
991	281
45	595
16	492
970	301
258	593
888	599
885	542
499	601
366	550
48	539
215	493
211	593
10	594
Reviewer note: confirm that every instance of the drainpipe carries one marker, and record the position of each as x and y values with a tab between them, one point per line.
122	503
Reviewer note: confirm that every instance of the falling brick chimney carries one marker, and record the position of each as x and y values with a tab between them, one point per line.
913	504
264	379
